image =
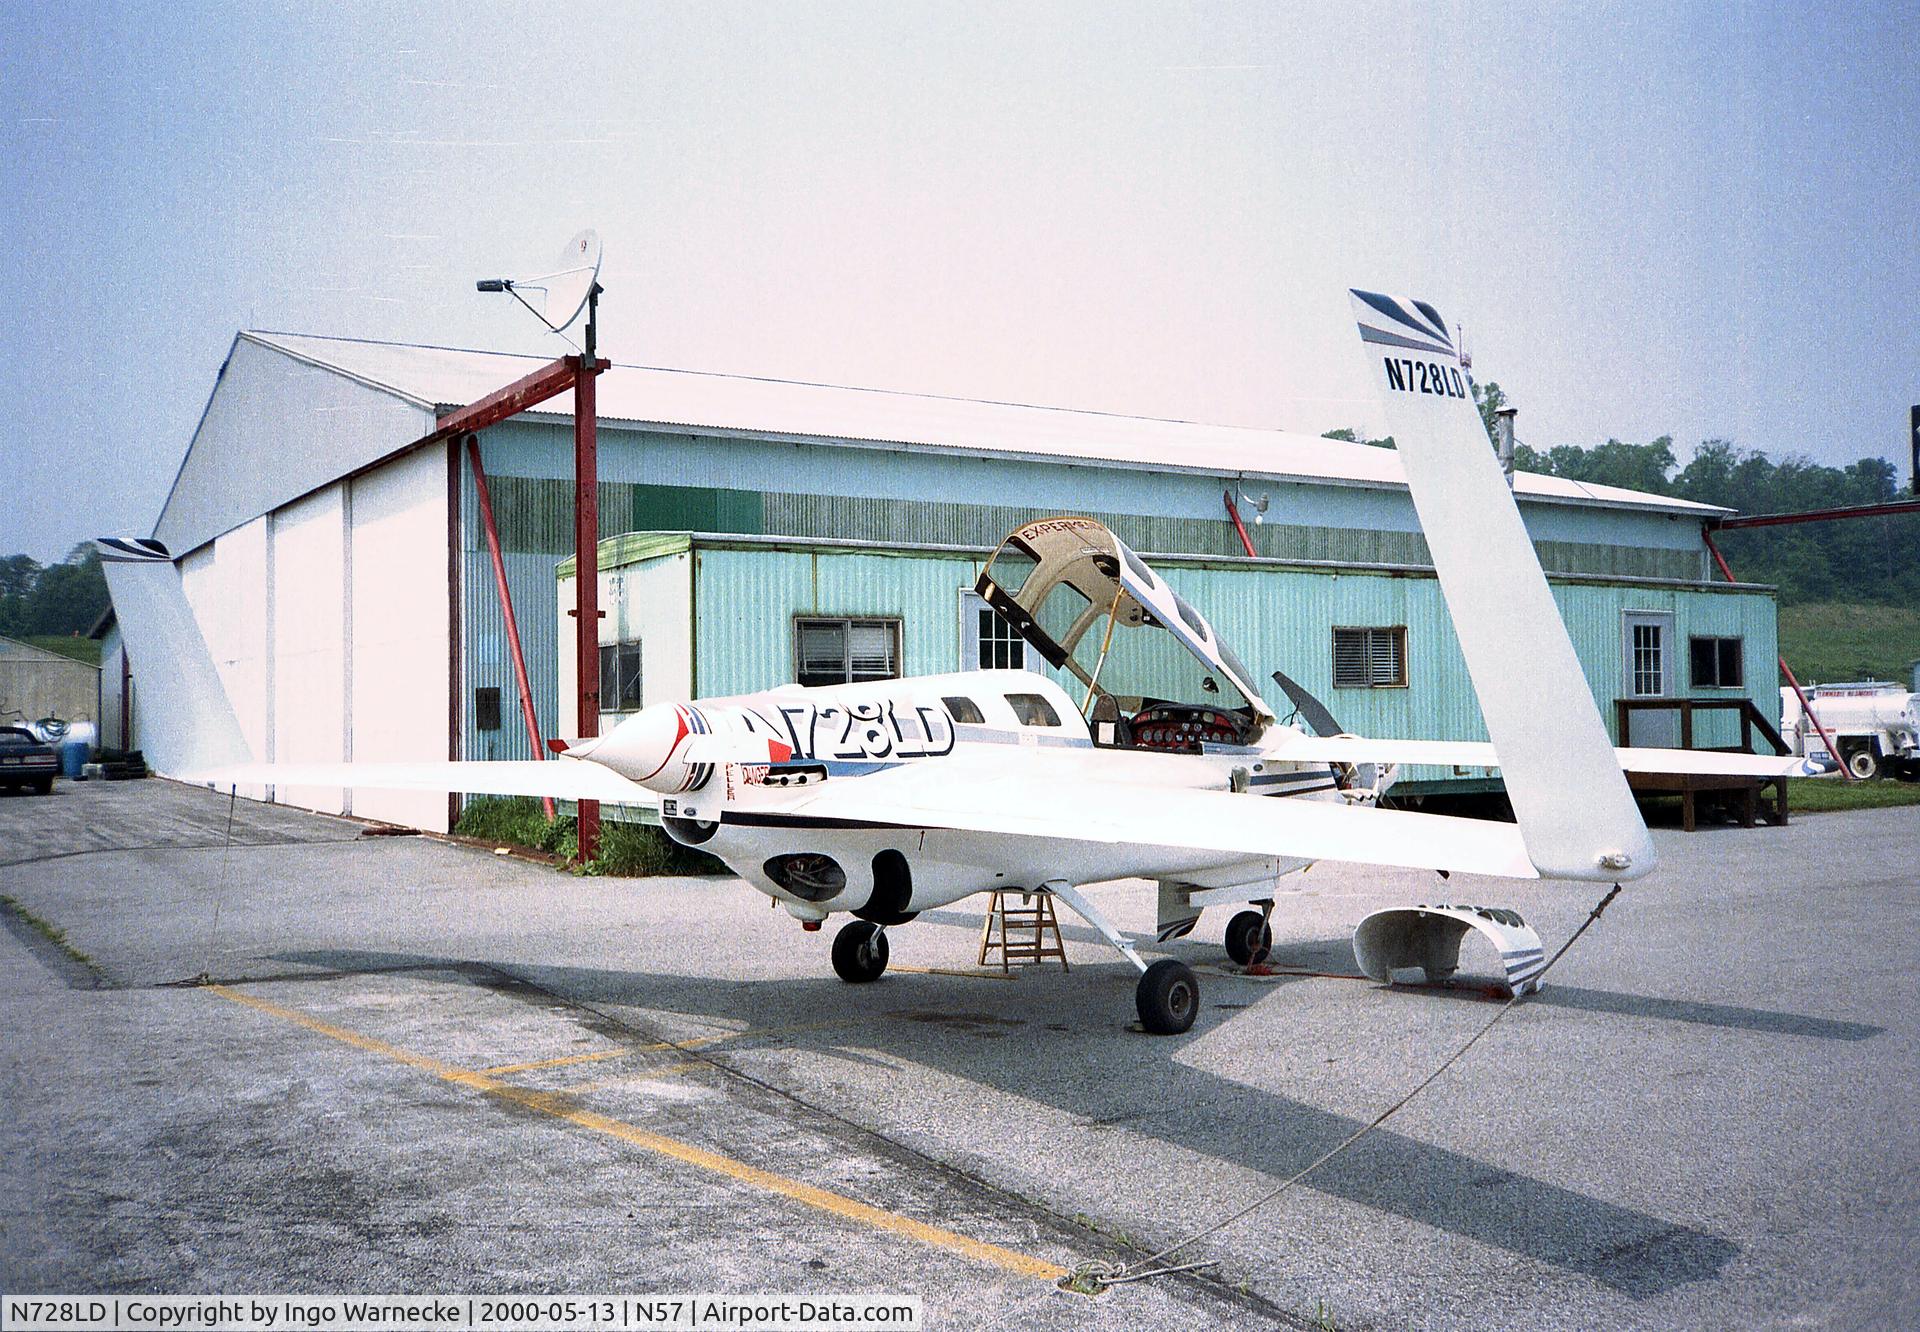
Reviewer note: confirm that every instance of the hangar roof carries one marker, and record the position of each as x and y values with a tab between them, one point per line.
439	378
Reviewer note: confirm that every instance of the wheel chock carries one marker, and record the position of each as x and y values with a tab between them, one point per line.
1428	937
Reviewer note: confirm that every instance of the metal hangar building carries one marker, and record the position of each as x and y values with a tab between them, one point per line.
758	531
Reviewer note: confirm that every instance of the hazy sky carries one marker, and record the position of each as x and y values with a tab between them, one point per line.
1651	218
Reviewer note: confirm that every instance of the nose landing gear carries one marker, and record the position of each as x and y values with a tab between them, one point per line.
1249	938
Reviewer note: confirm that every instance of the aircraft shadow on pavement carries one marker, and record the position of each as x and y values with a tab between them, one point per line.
1336	955
1628	1251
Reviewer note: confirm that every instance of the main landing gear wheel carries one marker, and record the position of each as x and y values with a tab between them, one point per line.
1249	938
1168	997
860	952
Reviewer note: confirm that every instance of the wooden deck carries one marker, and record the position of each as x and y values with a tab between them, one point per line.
1693	788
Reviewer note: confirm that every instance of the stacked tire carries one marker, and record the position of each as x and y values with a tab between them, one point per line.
120	765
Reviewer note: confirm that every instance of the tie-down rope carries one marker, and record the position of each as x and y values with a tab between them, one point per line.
1092	1277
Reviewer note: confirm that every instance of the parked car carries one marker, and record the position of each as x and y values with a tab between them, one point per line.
26	760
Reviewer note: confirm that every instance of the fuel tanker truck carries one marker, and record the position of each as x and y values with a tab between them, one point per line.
1875	724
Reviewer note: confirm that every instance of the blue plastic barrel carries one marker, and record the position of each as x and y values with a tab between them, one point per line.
73	757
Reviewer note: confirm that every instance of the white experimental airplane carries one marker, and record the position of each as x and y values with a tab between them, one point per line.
1162	762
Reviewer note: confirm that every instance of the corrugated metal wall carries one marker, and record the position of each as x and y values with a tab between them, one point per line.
746	598
662	482
536	514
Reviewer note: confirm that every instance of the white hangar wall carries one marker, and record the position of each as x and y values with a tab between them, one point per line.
399	663
277	427
328	621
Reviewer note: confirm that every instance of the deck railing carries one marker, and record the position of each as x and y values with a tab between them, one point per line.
1687	785
1751	720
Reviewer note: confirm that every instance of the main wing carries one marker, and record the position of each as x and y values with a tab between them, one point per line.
1482	754
1182	820
557	779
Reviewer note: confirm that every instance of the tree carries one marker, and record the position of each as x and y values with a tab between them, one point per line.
1490	398
64	598
1352	436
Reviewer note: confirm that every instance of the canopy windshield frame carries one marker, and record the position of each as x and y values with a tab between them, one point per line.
1059	580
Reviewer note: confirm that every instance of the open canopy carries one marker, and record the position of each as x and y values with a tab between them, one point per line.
1152	667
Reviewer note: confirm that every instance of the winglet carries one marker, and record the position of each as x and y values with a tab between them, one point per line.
186	721
1576	815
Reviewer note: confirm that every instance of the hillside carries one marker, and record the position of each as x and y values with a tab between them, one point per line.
1833	640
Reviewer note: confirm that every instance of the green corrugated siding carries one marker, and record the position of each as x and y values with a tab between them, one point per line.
745	600
696	509
536	516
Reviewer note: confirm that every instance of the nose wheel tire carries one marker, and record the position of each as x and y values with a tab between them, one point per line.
1168	997
860	952
1249	938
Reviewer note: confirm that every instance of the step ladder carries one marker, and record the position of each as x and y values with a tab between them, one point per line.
1028	933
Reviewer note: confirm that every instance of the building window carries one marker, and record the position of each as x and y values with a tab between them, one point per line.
845	651
486	708
1718	663
1370	658
987	641
620	677
1649	660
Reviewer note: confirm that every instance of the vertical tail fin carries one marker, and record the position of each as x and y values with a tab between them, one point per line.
1576	814
186	721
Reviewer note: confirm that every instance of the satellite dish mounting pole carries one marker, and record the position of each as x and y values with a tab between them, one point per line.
586	540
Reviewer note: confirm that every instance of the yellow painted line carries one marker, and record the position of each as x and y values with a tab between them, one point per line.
656	1047
560	1107
592	1056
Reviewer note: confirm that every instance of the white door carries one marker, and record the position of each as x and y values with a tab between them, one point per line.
987	642
1647	669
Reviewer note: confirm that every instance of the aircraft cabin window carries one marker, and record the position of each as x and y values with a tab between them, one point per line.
1191	616
964	710
835	651
1140	571
1033	710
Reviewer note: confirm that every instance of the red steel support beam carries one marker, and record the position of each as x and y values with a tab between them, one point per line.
1706	535
586	575
1233	512
506	602
1887	510
528	391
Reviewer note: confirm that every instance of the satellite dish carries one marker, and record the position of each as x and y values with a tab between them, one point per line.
568	286
563	293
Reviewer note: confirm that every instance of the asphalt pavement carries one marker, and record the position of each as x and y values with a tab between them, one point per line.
422	1067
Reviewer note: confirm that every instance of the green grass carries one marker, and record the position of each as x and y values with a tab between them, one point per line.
1831	640
627	850
1831	793
80	649
47	930
517	821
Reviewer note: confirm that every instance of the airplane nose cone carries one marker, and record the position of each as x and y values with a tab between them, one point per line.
646	747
